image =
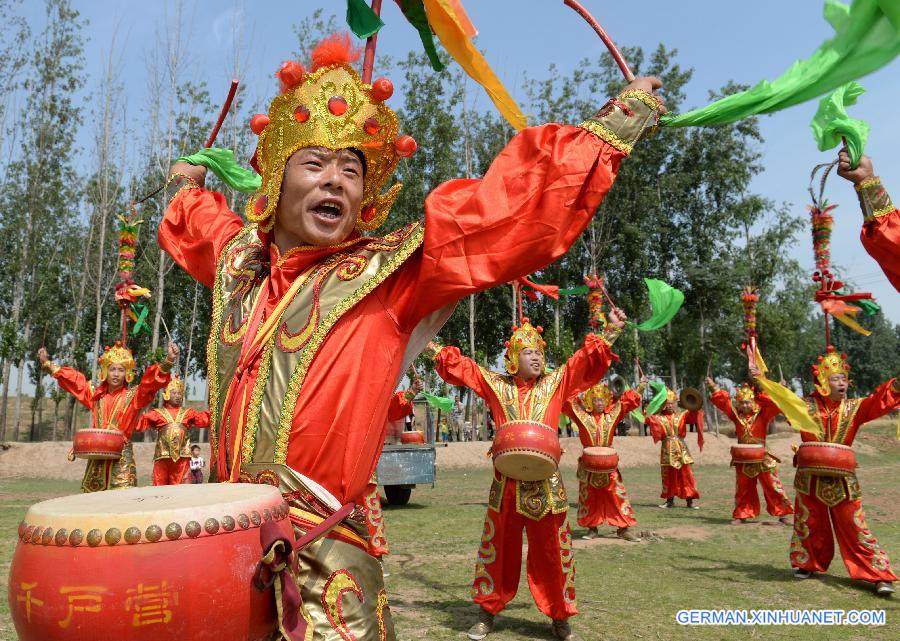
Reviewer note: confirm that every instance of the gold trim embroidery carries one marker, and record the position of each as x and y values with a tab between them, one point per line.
607	135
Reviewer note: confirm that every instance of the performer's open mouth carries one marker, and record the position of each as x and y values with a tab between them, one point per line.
329	210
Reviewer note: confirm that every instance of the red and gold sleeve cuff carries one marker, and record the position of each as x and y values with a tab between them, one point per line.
624	120
609	334
50	367
874	199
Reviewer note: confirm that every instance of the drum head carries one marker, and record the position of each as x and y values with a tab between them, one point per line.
525	466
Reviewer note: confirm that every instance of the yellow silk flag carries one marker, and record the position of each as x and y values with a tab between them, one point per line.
844	313
792	406
451	31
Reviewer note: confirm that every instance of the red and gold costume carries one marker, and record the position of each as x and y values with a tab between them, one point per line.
401	406
173	444
601	497
288	393
674	458
118	410
538	507
880	233
752	429
824	503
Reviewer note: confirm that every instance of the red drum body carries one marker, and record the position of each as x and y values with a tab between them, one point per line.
826	459
600	460
94	444
412	438
144	564
526	450
743	453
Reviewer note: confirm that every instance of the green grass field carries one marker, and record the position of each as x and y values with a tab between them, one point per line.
625	590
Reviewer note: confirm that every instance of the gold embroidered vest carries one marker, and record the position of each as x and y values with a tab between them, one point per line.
831	490
330	288
674	451
534	499
173	442
600	436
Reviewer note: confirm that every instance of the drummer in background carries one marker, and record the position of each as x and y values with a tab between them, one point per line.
527	393
173	421
826	503
670	427
751	414
113	405
602	497
401	406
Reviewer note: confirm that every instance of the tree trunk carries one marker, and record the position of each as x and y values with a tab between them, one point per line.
18	297
98	298
17	426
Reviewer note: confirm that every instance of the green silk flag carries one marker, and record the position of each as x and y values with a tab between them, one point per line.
831	123
580	290
414	12
439	402
665	301
222	163
659	398
363	22
867	37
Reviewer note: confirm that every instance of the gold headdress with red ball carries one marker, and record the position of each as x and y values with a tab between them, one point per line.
827	365
176	384
671	395
598	397
524	337
118	354
329	107
745	393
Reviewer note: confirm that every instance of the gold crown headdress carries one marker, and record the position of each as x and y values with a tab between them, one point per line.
671	395
118	354
329	107
524	337
598	397
745	393
827	365
175	385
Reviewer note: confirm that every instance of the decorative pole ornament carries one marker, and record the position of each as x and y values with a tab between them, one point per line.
749	301
596	289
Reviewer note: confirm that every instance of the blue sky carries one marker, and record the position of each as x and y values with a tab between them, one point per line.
722	41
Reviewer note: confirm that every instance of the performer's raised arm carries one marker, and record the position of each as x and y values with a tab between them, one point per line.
590	363
456	369
885	399
722	400
155	378
880	233
69	379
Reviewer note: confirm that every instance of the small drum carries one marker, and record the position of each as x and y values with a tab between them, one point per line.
600	460
826	459
147	563
412	438
98	445
526	450
742	453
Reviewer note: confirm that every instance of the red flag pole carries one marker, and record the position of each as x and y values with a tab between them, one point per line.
371	41
616	54
215	132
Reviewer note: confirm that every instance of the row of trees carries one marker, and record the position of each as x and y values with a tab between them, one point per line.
681	210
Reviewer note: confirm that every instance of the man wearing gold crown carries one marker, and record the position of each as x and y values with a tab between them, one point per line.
173	445
751	414
113	405
676	463
824	502
880	233
602	497
527	393
301	296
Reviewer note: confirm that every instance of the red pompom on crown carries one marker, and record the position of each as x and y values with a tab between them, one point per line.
336	49
290	75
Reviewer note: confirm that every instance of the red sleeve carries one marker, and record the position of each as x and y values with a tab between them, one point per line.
153	380
586	366
629	401
400	407
768	410
696	418
532	204
196	227
881	238
461	370
656	430
150	419
880	402
584	431
722	400
197	419
75	383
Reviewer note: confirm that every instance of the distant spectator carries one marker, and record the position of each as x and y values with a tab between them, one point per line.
197	465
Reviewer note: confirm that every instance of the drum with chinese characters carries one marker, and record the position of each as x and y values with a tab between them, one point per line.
94	444
148	563
600	460
826	459
744	453
526	450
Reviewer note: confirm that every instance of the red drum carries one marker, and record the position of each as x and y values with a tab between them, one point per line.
742	453
600	460
526	450
147	563
94	444
412	438
826	459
